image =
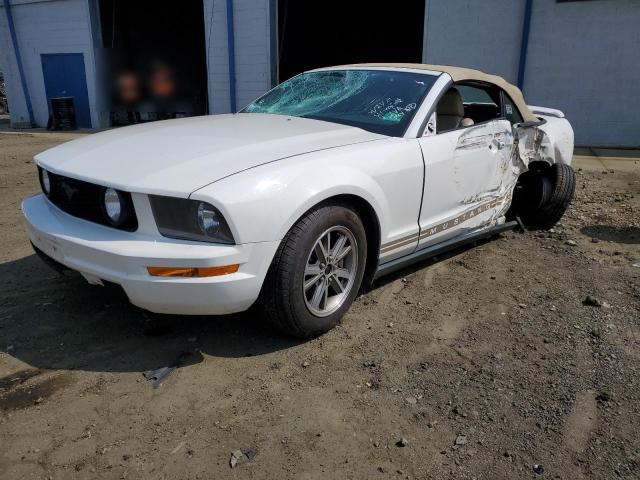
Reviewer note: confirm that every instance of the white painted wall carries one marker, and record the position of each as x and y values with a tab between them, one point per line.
583	57
252	47
58	26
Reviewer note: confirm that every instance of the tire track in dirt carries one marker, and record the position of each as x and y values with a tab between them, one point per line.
582	420
448	322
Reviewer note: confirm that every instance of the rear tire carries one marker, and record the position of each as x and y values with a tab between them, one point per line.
544	196
324	252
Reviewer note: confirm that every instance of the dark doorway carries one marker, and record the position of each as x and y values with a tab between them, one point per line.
334	32
155	58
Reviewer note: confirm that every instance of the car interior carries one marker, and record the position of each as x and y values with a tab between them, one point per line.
467	104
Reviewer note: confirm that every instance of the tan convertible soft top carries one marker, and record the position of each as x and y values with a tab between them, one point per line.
459	74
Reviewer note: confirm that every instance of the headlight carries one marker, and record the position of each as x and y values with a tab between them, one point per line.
189	220
208	219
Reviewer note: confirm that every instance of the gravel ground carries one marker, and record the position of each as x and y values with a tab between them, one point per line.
489	363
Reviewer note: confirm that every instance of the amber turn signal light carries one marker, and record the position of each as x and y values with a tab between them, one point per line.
192	271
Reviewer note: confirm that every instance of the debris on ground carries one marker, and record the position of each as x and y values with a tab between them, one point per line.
592	301
403	442
543	390
538	469
160	375
239	456
236	457
461	440
178	447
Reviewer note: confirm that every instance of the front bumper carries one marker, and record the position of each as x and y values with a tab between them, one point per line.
100	252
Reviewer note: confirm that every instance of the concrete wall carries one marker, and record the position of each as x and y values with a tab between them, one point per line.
252	46
583	57
59	26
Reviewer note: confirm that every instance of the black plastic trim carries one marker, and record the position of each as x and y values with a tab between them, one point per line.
177	218
85	200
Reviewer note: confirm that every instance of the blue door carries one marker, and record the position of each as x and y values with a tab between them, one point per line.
64	76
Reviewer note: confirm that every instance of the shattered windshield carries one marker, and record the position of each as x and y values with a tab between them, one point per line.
375	100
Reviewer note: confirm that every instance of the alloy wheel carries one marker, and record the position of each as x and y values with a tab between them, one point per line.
330	271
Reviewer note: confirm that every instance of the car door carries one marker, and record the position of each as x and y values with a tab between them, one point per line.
464	169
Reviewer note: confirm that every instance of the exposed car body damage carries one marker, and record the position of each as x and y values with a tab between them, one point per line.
549	140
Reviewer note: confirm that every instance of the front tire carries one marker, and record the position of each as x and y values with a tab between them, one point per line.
316	272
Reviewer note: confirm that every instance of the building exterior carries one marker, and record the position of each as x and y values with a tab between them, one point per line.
72	27
582	57
578	56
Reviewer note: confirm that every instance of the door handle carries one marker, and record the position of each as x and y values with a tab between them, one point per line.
501	145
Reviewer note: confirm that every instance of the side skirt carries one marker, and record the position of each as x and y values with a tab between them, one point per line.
440	248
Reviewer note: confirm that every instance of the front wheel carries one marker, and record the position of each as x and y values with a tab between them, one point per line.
316	272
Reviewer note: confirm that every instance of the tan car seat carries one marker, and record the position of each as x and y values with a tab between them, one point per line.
450	112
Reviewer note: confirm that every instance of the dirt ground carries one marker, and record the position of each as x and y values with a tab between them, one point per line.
487	363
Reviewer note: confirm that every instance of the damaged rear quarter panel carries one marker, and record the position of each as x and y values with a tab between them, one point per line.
550	142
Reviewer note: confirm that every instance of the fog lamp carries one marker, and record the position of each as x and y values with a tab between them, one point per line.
113	205
46	182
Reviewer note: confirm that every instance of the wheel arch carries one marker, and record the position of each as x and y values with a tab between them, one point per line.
370	220
544	189
538	166
371	223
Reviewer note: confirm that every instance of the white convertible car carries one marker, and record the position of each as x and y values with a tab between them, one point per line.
332	179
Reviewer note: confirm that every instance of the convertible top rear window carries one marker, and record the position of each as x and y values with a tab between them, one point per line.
379	101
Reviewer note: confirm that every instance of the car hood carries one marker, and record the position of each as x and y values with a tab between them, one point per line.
177	157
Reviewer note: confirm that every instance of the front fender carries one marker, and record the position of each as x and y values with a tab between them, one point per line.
263	203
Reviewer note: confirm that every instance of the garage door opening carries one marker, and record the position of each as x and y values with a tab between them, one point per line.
155	59
334	32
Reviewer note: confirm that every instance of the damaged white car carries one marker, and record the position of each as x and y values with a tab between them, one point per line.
331	179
